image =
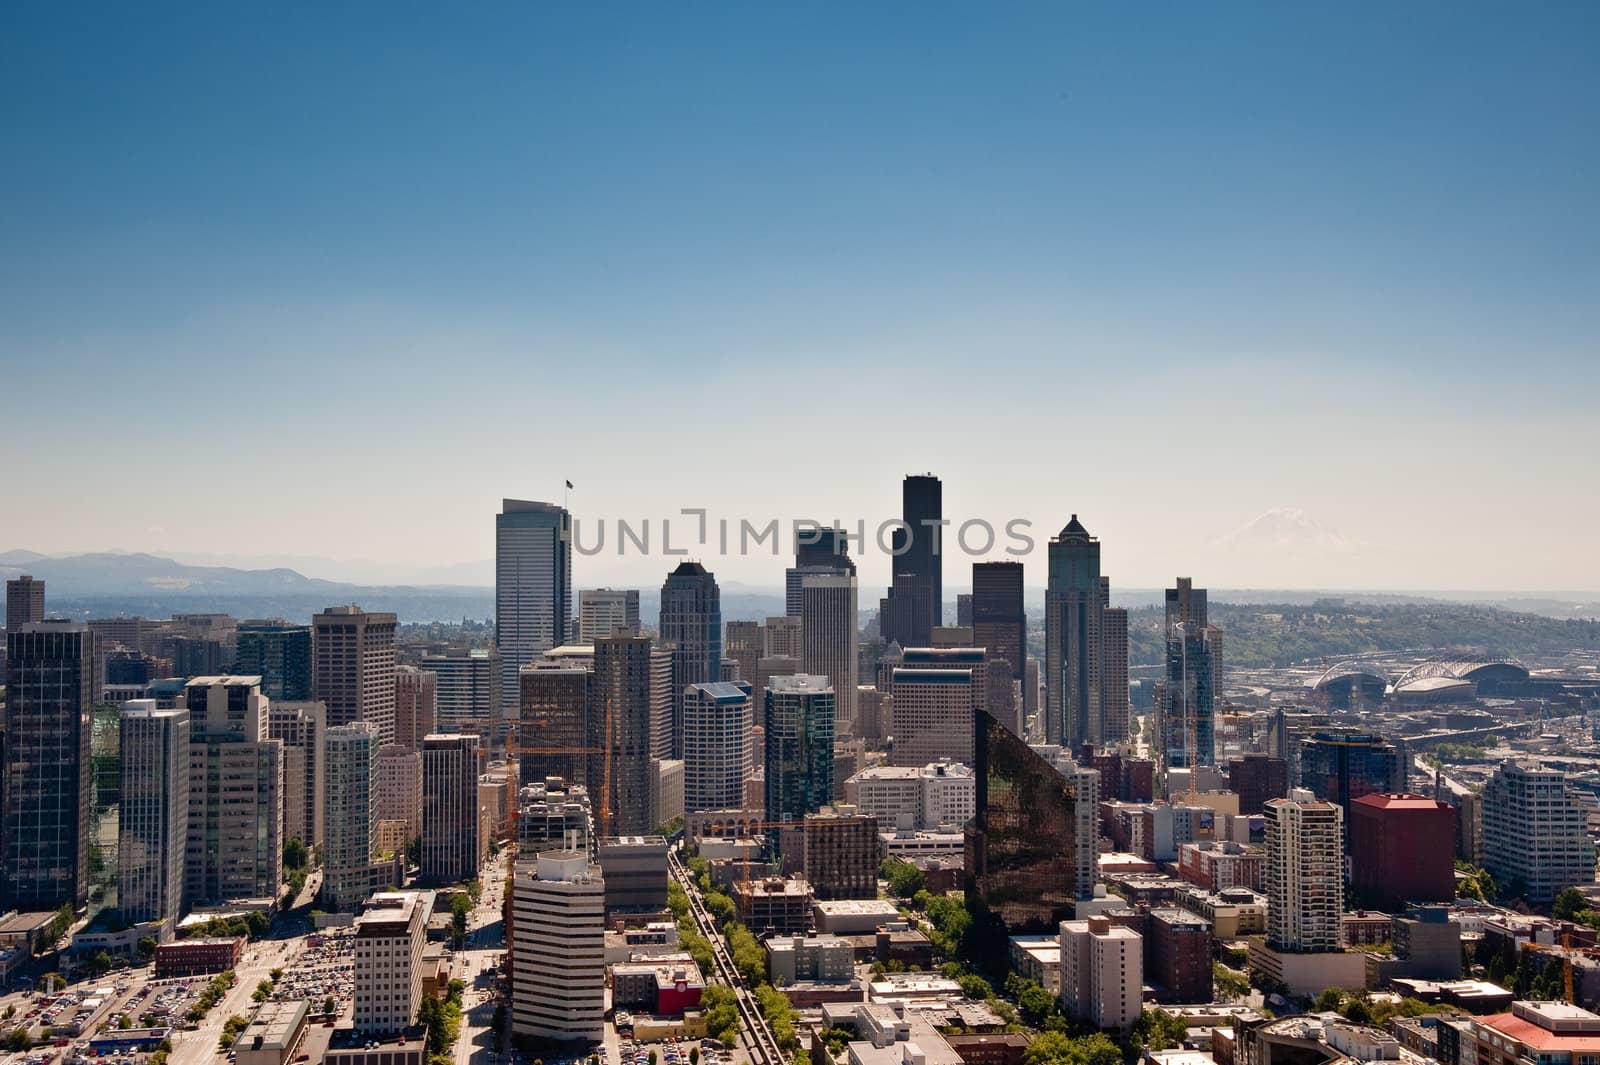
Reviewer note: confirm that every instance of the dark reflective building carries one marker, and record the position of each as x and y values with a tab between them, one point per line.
1019	845
1341	765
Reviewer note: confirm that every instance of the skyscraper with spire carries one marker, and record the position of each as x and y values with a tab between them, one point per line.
1074	613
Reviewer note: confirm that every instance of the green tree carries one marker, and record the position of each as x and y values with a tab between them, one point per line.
295	855
722	1013
1230	985
101	962
1357	1012
1568	904
147	947
1158	1030
1328	1000
19	1040
720	907
124	1023
904	878
1058	1048
748	955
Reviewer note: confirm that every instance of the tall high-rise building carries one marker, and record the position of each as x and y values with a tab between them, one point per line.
468	691
601	611
932	714
816	550
1341	765
798	733
302	729
828	637
558	733
416	705
235	844
351	822
152	813
691	627
623	669
999	623
1115	711
1073	639
280	654
24	602
964	610
532	585
915	603
1304	872
389	938
558	969
1186	699
1021	851
716	748
400	787
44	830
353	667
1534	830
449	807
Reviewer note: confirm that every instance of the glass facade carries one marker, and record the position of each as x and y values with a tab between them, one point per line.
280	654
1341	766
799	721
1020	845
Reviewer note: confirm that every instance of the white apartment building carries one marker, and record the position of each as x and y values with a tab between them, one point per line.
1534	830
1102	973
1304	872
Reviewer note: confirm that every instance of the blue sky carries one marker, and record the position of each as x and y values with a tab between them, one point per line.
284	280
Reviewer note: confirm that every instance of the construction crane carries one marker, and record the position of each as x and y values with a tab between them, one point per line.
763	826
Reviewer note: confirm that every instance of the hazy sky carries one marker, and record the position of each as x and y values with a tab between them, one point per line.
286	280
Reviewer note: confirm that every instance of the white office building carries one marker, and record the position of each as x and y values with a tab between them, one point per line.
153	813
388	960
558	971
716	748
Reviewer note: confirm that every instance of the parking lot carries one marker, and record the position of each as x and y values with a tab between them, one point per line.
324	968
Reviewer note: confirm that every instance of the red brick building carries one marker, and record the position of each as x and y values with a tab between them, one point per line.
1177	955
1255	778
1402	849
192	957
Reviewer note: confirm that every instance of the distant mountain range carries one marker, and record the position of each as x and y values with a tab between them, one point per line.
111	583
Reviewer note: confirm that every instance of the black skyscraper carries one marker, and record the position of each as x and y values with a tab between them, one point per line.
915	603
